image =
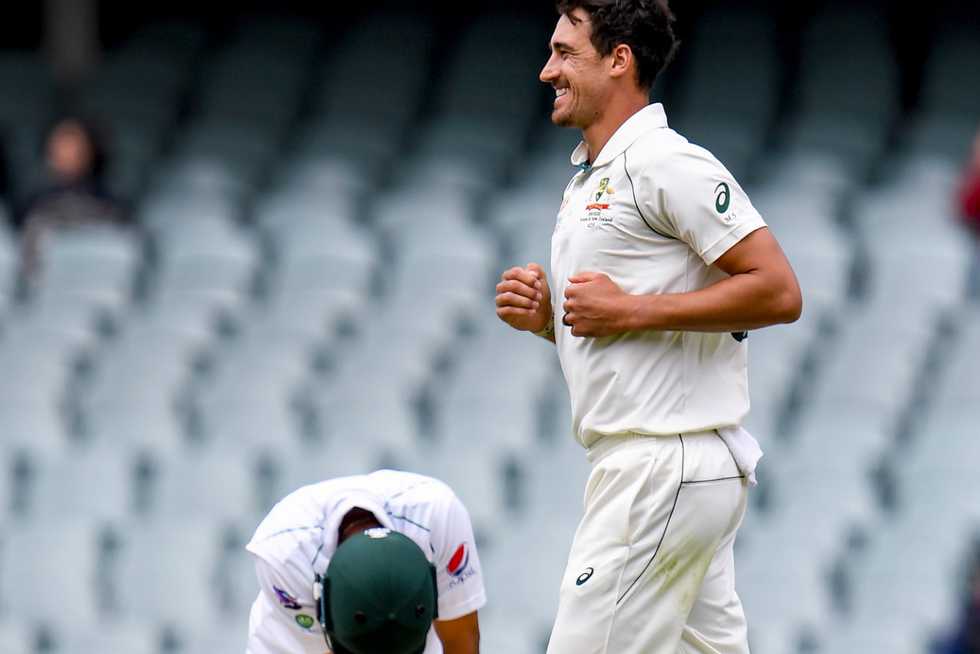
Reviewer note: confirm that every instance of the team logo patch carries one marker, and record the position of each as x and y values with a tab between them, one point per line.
286	599
604	188
304	621
459	561
596	211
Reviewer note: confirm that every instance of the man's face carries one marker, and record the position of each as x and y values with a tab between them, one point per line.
70	151
577	72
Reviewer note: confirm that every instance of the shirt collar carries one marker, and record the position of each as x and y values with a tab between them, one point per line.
351	499
646	119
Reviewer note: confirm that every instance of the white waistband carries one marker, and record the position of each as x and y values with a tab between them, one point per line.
608	444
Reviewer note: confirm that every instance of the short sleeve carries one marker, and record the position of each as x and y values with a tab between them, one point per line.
283	618
458	573
688	194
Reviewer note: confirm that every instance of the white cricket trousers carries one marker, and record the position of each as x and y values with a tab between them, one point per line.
651	569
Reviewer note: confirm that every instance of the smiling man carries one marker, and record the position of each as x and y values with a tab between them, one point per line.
660	267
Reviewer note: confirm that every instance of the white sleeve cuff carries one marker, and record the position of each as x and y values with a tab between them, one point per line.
730	239
459	609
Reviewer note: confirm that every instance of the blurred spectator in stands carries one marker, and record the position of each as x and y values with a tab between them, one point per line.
970	211
73	193
966	638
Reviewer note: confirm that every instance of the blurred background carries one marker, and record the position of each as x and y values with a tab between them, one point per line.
241	252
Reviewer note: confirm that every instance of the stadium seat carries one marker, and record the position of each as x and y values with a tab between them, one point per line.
9	263
530	576
556	483
95	481
16	638
324	254
820	255
208	259
247	401
203	174
312	461
95	264
134	396
164	209
230	638
36	557
734	129
316	184
507	632
893	583
208	484
176	561
783	588
107	637
379	416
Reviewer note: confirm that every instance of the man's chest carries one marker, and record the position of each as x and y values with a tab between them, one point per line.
599	228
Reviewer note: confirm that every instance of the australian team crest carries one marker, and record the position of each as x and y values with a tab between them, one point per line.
604	188
596	211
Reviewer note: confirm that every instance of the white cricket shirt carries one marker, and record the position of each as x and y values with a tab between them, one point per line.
653	212
298	537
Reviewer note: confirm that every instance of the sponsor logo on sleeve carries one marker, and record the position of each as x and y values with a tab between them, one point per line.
459	566
305	621
723	197
723	202
287	600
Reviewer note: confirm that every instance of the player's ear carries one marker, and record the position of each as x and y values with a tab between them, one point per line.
621	61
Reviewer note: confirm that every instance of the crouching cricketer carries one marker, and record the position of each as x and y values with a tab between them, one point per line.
382	563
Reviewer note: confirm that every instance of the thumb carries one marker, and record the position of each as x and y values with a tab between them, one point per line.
538	270
579	278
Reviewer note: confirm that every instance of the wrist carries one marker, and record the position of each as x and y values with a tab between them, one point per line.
639	313
547	331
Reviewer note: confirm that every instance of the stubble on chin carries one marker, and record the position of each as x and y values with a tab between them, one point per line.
562	120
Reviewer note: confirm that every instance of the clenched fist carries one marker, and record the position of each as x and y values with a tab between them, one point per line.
523	298
595	306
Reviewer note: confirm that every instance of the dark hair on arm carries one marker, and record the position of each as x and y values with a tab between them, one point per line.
646	26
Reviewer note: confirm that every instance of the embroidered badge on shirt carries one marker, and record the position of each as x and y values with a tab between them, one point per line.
286	599
595	212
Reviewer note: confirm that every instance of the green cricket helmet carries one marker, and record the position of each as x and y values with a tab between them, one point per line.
378	595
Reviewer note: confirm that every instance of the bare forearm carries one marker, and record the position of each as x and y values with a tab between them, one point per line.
741	302
463	644
459	636
468	647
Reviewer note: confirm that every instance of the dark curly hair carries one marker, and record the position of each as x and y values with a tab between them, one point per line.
646	26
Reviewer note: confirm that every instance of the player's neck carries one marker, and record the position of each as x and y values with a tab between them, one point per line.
617	111
356	521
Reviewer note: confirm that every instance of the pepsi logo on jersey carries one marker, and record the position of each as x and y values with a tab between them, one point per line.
459	561
459	566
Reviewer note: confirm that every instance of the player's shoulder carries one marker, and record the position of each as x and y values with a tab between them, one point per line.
666	147
410	486
666	158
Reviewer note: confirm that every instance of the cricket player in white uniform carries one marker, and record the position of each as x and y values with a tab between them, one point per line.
660	265
309	590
